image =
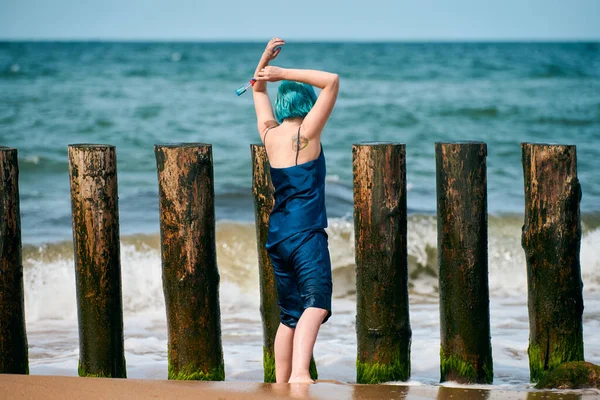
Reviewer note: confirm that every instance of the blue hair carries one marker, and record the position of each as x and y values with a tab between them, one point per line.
294	99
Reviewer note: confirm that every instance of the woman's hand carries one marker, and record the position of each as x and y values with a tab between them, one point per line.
270	74
272	50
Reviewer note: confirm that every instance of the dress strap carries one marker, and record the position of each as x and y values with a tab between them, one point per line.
298	144
265	138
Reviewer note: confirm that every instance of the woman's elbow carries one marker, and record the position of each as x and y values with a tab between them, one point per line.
334	82
335	79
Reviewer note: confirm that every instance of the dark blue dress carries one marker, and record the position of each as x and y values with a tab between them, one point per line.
297	242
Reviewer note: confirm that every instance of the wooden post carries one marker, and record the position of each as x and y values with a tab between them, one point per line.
466	351
13	337
551	240
189	261
382	319
262	190
95	216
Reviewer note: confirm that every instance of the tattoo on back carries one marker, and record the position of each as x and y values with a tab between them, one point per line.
303	142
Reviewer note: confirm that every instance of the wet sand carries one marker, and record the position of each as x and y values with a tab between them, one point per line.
63	387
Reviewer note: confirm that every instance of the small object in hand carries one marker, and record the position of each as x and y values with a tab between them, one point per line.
241	90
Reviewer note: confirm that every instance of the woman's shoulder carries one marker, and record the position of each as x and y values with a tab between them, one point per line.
268	126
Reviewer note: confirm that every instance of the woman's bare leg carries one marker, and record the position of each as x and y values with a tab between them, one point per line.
304	342
284	340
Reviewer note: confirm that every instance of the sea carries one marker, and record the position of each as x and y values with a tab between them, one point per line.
136	95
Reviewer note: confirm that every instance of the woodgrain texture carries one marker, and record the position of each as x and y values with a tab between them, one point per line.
13	337
552	240
466	351
382	319
189	261
95	217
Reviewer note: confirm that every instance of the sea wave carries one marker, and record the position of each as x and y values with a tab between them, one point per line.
138	72
472	112
43	163
50	284
13	70
550	70
566	121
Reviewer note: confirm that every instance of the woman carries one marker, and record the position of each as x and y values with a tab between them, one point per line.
297	242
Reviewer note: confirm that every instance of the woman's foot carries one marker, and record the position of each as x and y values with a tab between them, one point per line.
284	341
304	342
301	379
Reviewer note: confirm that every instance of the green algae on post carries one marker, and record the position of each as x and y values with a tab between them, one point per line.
382	320
539	365
96	242
268	366
552	240
193	373
189	261
571	375
454	368
461	186
375	373
312	369
83	373
14	354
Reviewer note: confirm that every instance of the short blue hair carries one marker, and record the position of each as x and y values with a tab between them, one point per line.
294	99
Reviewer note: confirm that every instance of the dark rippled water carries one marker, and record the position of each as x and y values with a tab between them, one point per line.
138	94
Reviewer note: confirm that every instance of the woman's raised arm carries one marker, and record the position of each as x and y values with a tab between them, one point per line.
264	111
315	120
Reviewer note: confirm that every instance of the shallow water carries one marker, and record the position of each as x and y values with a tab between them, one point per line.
52	319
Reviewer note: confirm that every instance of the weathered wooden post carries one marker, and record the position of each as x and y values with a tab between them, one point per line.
262	190
14	357
466	351
189	261
551	240
95	216
382	319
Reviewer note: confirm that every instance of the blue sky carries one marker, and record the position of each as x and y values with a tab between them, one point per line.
300	20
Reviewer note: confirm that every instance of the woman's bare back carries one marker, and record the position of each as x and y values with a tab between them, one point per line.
287	146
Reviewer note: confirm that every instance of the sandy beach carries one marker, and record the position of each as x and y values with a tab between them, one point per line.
63	387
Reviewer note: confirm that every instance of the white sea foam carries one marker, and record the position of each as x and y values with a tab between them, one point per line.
54	345
32	159
49	290
52	317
